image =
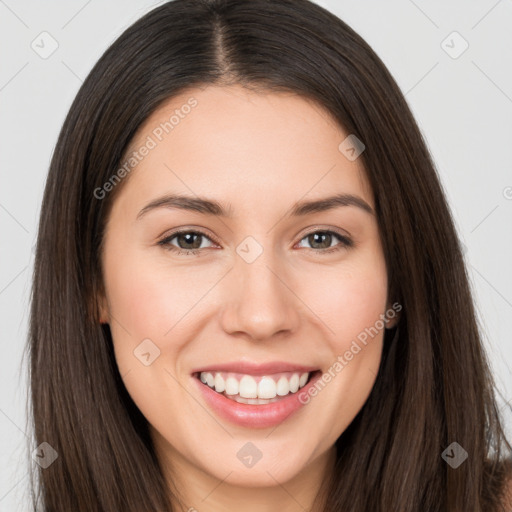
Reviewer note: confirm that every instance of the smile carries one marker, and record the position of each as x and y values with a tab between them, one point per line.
255	390
254	401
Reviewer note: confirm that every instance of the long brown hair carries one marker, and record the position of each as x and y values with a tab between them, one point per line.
434	385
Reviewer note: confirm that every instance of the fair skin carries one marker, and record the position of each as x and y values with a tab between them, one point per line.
257	154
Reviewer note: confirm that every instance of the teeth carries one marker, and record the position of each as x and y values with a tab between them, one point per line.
253	401
209	379
254	390
294	383
266	388
219	383
283	386
248	387
231	386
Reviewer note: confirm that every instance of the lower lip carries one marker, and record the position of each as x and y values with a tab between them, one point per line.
255	416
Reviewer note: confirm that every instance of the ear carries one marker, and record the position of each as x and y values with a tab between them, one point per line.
393	314
103	309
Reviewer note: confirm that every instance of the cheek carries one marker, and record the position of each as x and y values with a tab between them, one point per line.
147	302
349	300
359	305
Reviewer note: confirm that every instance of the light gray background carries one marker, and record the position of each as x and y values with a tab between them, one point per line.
463	106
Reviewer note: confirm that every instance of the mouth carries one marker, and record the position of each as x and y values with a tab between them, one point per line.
255	389
255	401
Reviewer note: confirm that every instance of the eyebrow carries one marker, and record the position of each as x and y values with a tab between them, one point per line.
207	206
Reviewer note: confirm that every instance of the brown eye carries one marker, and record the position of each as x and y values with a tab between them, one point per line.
324	239
187	242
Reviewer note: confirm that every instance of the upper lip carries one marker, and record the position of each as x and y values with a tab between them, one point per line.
257	369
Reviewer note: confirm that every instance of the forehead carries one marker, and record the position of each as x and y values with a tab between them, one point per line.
230	141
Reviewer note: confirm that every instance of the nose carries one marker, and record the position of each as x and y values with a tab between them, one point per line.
259	299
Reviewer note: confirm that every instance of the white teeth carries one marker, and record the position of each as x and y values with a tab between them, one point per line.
294	383
248	387
283	386
219	383
231	386
267	388
253	401
254	390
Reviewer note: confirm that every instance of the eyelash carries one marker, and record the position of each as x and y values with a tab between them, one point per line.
346	242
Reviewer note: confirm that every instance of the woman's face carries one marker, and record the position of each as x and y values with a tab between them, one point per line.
272	282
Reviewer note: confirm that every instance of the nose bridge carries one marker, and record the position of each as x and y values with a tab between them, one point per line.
260	304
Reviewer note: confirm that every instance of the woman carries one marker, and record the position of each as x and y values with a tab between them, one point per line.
249	291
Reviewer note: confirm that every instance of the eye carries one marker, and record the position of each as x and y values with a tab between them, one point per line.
190	242
323	240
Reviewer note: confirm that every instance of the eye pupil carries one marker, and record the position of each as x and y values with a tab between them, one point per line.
313	239
188	237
